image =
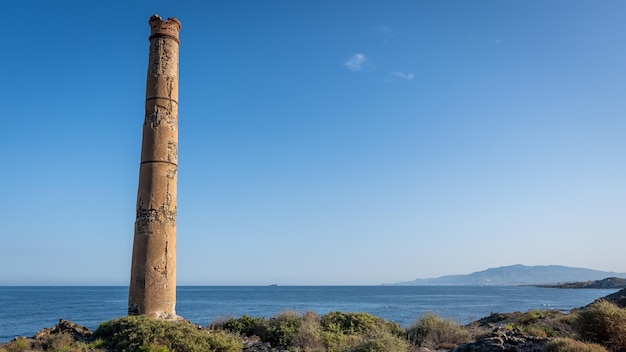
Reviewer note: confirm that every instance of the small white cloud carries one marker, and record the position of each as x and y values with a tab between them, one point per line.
408	76
356	62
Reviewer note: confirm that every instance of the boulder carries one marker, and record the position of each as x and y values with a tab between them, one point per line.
618	298
78	332
502	339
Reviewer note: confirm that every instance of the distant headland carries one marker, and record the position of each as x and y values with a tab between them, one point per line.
608	283
517	275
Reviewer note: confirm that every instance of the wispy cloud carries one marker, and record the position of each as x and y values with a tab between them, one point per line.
408	76
356	62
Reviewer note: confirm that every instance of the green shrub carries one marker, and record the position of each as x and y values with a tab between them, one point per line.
603	322
382	341
539	330
333	332
282	329
531	317
222	341
359	332
357	323
154	348
245	325
571	345
97	343
287	329
337	341
435	332
136	333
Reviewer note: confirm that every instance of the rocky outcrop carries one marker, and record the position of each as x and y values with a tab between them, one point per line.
502	339
42	339
78	332
618	298
608	283
254	344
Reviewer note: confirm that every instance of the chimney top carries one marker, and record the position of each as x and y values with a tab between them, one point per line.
160	28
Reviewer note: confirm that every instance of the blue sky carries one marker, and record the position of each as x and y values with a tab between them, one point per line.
321	142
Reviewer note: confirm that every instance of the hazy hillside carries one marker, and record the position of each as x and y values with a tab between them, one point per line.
519	275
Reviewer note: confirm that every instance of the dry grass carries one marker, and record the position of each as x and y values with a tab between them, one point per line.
603	322
434	332
570	345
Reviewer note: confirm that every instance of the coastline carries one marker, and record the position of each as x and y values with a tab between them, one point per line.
90	305
521	331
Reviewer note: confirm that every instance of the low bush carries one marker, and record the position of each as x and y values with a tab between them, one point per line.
571	345
531	316
309	336
18	345
97	343
358	323
538	331
381	341
141	333
244	325
282	329
603	322
360	332
58	342
154	348
434	332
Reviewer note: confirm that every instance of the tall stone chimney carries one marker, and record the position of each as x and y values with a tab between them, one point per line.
153	271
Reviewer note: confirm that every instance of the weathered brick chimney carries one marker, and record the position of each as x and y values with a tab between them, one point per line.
153	270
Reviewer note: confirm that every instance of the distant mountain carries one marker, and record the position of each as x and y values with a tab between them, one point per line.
518	275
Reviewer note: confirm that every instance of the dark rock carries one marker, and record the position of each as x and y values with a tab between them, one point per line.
618	298
78	332
492	319
502	339
254	344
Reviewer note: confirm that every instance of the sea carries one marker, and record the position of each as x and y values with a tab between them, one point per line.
26	310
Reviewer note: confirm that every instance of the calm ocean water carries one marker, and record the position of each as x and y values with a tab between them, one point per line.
25	310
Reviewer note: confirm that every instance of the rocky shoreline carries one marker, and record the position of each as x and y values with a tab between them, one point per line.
500	339
608	283
497	332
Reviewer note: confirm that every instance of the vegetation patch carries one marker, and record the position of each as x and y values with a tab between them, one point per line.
141	334
603	322
598	327
335	331
434	332
567	344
